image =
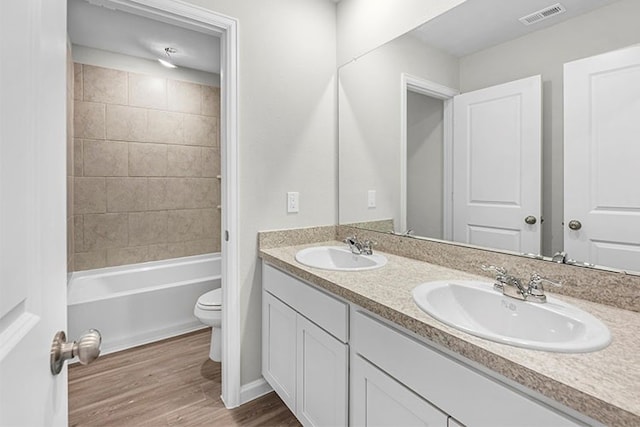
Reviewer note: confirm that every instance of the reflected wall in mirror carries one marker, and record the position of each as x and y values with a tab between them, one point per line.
396	124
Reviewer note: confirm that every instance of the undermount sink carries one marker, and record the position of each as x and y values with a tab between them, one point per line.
339	259
478	309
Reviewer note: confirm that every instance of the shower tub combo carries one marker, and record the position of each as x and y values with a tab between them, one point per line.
136	304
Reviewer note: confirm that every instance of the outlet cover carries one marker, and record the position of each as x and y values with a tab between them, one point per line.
371	199
293	202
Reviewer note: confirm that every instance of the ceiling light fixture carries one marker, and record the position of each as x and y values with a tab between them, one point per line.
168	51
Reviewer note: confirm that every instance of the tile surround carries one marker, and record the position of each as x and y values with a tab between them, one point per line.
125	123
184	97
104	158
147	91
104	85
165	127
88	120
144	156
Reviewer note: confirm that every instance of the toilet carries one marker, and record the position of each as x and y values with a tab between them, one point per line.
208	311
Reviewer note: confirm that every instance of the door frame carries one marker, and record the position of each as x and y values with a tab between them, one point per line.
204	20
409	83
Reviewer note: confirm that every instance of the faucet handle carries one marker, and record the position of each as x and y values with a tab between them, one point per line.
536	288
537	280
498	270
367	246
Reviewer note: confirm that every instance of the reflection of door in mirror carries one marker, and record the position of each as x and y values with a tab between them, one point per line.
496	166
497	140
602	159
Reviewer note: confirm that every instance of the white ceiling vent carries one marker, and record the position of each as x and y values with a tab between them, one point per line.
542	14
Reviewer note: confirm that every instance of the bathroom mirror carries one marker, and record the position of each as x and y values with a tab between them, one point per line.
404	88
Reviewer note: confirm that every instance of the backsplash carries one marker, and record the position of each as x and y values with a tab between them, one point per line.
146	162
614	289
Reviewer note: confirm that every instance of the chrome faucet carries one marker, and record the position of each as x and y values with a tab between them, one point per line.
358	247
512	287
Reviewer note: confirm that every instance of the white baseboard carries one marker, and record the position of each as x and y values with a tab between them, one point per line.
253	390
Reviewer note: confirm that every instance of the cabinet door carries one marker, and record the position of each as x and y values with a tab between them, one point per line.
379	400
322	377
279	348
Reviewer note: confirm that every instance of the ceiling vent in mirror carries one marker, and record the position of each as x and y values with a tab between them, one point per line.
542	14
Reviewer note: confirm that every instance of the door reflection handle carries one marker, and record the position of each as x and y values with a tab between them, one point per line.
530	220
87	349
574	224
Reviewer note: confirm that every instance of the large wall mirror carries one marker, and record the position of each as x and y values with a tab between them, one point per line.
480	129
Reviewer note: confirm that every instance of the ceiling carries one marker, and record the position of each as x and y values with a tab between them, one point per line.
480	24
133	35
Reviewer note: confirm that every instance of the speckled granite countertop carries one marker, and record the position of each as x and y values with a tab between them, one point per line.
604	385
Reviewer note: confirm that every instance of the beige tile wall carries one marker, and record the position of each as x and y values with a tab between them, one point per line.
146	160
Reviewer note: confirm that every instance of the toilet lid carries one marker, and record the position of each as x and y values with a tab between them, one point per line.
211	299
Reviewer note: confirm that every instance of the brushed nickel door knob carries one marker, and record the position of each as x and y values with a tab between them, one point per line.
87	349
574	224
530	220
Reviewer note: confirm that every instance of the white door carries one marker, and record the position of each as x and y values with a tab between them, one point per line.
602	159
32	210
322	384
497	146
380	400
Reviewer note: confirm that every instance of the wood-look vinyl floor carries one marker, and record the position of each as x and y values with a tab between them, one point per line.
167	383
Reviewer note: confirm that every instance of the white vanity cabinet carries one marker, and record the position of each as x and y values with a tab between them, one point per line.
304	348
334	363
430	383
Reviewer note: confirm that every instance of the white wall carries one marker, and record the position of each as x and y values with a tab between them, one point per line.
363	25
425	168
544	52
287	136
369	131
103	58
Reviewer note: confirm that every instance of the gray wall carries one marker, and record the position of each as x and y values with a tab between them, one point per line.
425	165
369	131
363	25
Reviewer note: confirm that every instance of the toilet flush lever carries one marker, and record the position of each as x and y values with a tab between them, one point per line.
87	349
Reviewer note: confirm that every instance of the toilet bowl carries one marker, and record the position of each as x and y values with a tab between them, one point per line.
208	311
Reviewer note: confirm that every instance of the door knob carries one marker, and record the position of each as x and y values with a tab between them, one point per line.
87	349
574	224
530	220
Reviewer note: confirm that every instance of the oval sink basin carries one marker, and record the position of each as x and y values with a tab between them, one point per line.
339	259
478	309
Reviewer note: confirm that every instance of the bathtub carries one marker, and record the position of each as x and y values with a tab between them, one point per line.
137	304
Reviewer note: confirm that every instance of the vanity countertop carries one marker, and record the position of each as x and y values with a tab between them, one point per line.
604	385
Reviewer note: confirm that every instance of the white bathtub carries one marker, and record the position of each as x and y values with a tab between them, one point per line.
136	304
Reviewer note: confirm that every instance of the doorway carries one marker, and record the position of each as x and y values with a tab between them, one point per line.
200	21
426	114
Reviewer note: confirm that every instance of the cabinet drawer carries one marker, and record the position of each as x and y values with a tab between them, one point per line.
458	389
325	311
